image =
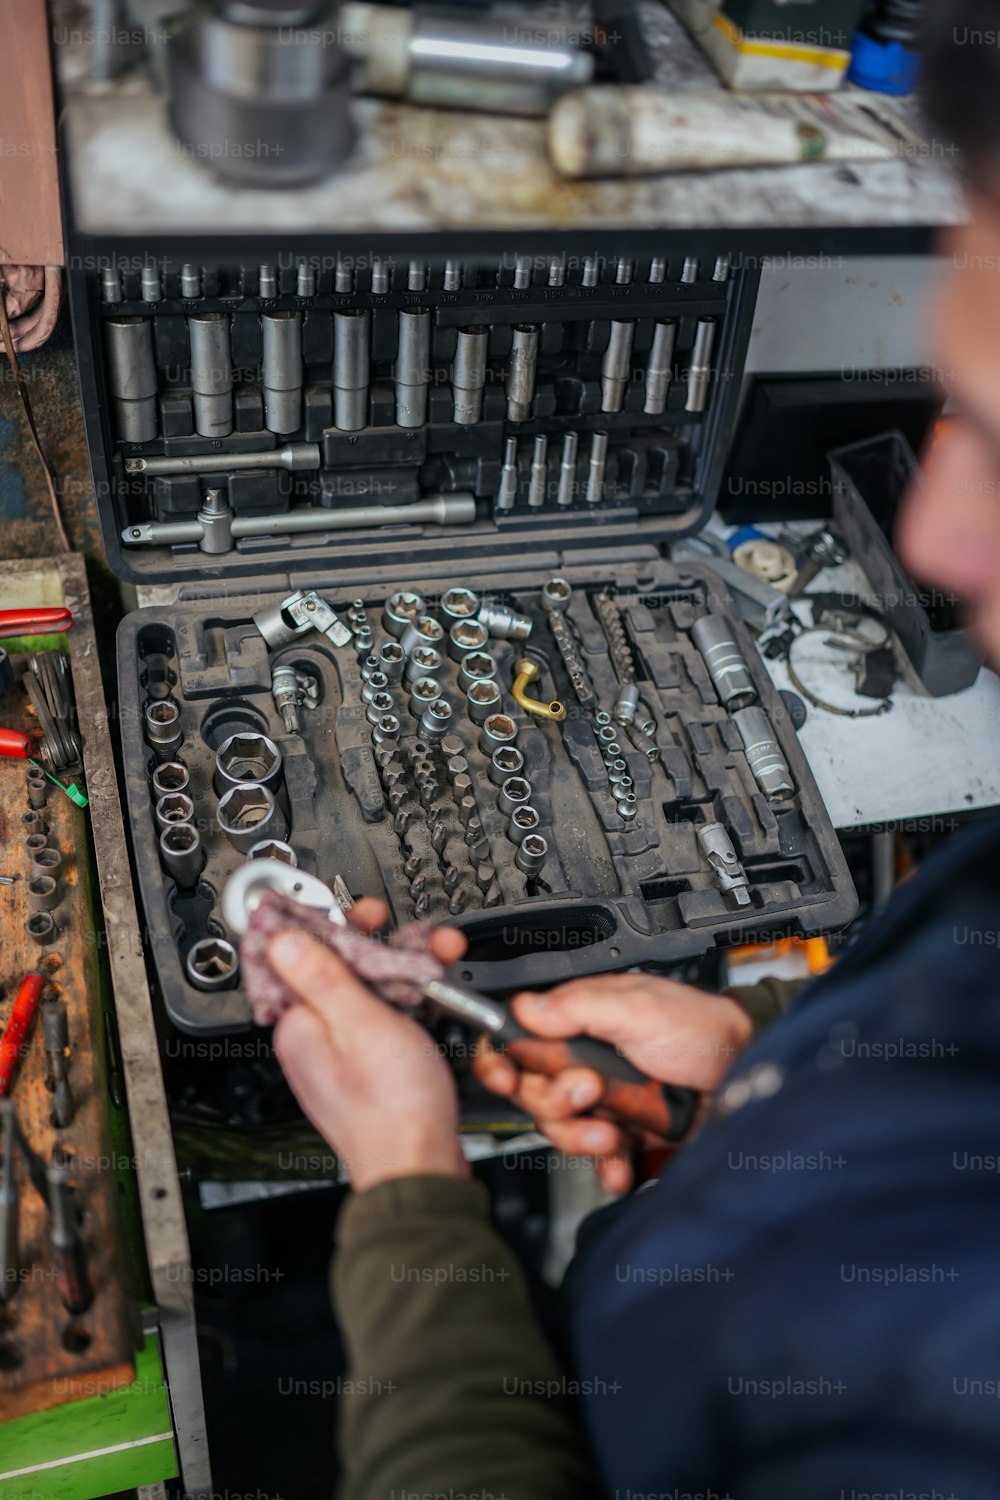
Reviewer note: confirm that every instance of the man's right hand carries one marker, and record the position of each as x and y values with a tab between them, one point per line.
674	1033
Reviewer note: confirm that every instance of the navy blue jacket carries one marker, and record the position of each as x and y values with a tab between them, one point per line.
806	1306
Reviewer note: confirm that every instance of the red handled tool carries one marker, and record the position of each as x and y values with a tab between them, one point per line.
12	1041
38	621
14	745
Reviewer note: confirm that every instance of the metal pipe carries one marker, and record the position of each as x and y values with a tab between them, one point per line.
438	510
211	374
132	377
281	370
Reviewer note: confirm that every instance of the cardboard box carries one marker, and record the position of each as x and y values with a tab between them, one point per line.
764	44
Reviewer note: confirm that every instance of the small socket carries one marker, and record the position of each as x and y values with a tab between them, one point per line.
400	608
425	661
171	776
175	807
392	661
381	704
435	721
505	762
556	594
459	604
422	630
274	849
484	699
377	683
499	729
163	727
386	731
423	691
515	792
478	666
41	928
212	964
44	861
628	807
33	822
523	820
247	758
466	636
622	789
531	853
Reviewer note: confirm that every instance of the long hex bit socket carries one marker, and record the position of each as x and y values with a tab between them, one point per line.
211	374
659	367
281	370
132	377
412	370
351	368
521	372
468	374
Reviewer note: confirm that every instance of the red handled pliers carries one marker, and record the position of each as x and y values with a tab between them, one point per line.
37	621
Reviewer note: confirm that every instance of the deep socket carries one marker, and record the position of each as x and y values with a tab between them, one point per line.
725	661
182	854
521	372
595	468
163	727
659	367
281	370
247	758
351	368
566	492
175	807
616	365
132	378
211	374
468	374
538	482
700	371
413	366
769	767
507	488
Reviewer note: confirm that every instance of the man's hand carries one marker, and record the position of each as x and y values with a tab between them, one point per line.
369	1077
674	1033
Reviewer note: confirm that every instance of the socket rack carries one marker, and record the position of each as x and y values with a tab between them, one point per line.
242	417
68	1310
585	772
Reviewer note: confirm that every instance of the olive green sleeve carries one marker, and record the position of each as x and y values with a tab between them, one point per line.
766	1001
452	1387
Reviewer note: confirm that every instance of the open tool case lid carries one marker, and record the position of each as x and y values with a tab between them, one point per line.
663	470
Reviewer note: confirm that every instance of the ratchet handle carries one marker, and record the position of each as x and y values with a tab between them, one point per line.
35	621
663	1109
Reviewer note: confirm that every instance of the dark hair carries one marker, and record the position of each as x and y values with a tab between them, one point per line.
960	87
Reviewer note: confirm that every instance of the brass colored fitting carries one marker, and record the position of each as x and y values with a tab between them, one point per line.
525	673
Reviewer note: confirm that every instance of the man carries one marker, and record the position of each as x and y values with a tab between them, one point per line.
806	1304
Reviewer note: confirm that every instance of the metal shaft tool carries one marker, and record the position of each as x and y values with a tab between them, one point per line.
438	510
538	482
413	366
55	1031
616	365
468	374
9	1204
659	367
507	490
291	456
64	1237
281	370
596	467
566	491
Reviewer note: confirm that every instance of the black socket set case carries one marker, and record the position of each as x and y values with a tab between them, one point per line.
611	894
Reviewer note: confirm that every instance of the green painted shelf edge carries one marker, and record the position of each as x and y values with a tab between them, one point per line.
100	1445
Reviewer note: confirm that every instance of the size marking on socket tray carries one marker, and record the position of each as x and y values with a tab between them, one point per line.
659	803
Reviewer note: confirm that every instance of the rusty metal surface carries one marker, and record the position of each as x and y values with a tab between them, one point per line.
63	580
425	169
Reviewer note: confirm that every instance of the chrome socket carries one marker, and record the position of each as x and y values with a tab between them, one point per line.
424	662
399	609
413	366
424	630
505	762
616	770
392	661
211	374
380	705
435	721
725	661
247	758
566	488
163	728
515	792
521	369
769	767
423	691
182	854
531	853
659	367
281	370
212	964
484	700
627	702
477	666
498	730
466	636
171	776
628	807
351	368
377	682
616	365
468	374
274	849
556	593
41	928
504	623
538	479
249	813
523	820
459	604
175	807
622	788
386	731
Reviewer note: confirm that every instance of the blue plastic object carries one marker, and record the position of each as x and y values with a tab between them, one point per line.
885	67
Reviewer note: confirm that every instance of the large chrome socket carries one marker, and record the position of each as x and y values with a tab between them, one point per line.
249	813
247	758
